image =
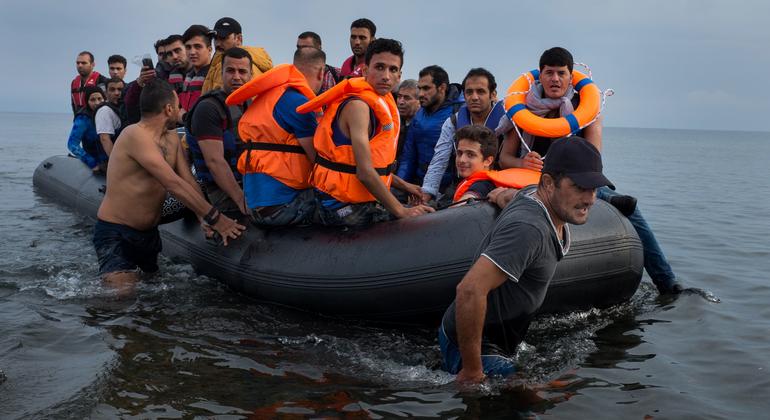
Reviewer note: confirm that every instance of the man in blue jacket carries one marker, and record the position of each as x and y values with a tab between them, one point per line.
438	100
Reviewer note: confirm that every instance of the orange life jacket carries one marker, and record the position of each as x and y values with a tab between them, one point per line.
334	171
78	97
269	148
510	178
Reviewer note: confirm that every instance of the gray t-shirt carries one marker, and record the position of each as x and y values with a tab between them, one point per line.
106	121
523	243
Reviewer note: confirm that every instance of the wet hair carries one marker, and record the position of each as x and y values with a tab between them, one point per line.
481	135
366	24
438	74
482	72
156	94
114	80
237	53
408	84
117	59
312	35
88	53
381	45
308	56
198	30
557	57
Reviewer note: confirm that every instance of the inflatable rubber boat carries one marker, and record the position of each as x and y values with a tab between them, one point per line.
403	271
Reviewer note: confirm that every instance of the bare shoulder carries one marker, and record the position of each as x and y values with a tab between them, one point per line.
355	113
170	146
355	106
131	135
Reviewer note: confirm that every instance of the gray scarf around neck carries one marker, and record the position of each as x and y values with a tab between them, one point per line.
541	106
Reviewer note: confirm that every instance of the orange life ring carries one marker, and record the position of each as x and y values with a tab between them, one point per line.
587	110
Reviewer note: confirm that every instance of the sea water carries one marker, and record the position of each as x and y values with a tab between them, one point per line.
187	346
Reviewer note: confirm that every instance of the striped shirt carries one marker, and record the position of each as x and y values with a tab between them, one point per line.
191	91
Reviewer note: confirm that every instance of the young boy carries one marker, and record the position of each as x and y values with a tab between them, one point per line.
476	149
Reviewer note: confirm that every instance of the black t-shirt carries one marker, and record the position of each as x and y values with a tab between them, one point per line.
209	120
523	244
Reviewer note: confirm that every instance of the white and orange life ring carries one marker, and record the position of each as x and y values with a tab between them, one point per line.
586	112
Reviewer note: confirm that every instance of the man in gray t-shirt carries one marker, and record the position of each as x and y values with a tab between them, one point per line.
516	261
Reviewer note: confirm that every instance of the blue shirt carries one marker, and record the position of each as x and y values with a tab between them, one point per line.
262	189
339	138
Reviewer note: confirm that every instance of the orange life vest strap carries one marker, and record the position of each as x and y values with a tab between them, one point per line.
274	147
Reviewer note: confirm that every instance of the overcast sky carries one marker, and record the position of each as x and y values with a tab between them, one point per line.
700	64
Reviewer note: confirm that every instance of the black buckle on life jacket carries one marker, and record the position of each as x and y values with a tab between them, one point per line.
351	169
274	147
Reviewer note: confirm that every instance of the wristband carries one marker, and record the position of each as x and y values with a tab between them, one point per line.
212	216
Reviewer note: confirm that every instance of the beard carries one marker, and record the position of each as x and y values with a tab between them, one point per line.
171	123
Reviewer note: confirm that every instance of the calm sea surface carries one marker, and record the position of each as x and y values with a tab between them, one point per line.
188	347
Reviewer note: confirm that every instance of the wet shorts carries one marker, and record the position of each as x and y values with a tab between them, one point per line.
122	248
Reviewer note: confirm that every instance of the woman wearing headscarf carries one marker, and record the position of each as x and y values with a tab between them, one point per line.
83	141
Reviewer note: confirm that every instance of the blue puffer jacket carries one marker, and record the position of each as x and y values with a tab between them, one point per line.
424	131
84	143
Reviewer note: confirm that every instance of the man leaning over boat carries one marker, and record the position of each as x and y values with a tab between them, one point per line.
147	162
507	283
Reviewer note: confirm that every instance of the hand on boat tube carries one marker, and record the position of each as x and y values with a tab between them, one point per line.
414	191
533	161
421	198
227	228
415	211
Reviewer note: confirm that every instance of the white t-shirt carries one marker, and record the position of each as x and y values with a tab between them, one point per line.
107	121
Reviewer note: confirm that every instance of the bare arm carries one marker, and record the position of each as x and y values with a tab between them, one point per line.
509	154
106	142
355	117
471	308
213	153
502	196
183	168
415	192
147	154
307	146
593	133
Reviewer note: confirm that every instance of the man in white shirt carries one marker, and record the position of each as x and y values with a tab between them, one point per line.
107	120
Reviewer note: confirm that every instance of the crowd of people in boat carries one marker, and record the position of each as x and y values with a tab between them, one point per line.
308	142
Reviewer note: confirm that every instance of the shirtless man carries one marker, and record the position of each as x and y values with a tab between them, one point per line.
145	163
